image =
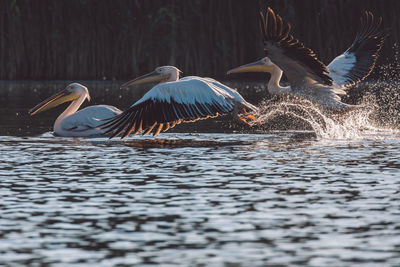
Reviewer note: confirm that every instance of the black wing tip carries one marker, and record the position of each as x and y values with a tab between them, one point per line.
370	37
116	125
370	28
366	46
275	29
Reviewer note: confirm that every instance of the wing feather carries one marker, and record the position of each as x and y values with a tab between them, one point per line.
297	61
167	104
130	118
160	127
89	118
358	61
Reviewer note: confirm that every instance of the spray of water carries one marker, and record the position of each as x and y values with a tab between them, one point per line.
379	114
301	114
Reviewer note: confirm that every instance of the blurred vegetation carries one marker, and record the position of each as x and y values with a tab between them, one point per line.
103	39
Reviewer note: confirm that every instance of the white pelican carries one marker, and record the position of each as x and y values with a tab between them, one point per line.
72	123
309	77
175	100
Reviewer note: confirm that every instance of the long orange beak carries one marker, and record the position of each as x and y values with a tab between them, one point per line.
257	66
53	101
147	78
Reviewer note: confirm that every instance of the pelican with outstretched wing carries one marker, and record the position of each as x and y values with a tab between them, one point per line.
74	123
175	100
309	77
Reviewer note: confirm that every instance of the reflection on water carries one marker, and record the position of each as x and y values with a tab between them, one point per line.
200	200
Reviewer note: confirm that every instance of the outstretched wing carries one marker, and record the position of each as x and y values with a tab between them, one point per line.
170	103
232	92
299	63
89	118
357	62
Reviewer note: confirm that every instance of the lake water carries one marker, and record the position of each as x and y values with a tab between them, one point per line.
195	200
326	197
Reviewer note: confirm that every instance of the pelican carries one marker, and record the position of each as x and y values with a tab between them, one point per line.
308	77
175	100
74	123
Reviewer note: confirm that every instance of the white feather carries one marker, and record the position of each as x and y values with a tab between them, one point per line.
189	90
340	67
89	118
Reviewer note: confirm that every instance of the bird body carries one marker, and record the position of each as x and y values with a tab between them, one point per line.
309	77
74	123
85	121
175	100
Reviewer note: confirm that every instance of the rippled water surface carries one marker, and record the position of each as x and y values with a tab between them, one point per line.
194	200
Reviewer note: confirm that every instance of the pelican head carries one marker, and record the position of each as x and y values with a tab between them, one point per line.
70	93
160	74
262	65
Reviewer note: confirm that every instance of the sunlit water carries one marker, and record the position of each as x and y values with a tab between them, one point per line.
282	198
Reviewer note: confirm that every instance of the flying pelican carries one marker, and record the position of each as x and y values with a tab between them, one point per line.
75	123
309	77
175	100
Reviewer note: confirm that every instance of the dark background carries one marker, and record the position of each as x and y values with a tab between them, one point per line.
118	40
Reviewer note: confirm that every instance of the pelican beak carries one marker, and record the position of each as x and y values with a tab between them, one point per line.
53	101
147	78
258	66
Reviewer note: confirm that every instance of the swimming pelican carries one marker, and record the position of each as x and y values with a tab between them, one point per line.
175	100
72	123
309	77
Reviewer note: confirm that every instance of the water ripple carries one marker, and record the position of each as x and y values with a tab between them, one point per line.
208	199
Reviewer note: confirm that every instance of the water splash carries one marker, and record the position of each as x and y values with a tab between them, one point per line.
292	113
